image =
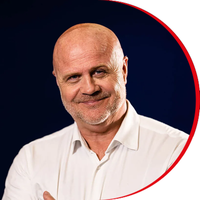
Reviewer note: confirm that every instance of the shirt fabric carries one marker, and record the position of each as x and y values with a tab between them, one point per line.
61	163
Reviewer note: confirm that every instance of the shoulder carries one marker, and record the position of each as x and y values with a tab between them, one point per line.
43	152
153	128
160	140
156	127
49	145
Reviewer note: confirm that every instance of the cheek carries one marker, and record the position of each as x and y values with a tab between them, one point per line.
111	87
119	84
120	88
67	94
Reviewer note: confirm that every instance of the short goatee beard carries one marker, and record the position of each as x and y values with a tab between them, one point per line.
110	110
102	118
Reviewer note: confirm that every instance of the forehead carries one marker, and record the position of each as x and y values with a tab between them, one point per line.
87	52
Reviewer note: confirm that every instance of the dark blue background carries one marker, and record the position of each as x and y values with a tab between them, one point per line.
160	82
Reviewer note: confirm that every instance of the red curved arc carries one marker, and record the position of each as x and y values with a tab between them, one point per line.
197	93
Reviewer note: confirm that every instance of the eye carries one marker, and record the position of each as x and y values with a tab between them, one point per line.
99	72
73	78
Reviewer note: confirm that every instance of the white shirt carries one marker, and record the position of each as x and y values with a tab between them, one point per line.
61	163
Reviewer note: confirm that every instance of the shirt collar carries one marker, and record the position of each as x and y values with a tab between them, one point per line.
78	140
127	134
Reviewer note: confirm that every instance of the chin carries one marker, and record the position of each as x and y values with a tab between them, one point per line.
94	120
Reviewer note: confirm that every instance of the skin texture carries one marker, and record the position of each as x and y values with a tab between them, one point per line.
91	73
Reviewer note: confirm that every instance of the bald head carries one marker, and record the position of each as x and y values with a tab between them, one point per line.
89	29
91	72
81	36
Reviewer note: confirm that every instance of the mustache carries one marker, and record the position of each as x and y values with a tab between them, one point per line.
93	97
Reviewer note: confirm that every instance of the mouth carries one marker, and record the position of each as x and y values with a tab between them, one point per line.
93	102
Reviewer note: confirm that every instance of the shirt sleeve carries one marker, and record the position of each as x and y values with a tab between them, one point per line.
177	152
18	184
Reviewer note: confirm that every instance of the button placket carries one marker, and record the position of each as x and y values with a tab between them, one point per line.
99	177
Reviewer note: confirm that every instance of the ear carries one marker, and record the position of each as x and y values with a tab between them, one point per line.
125	68
53	72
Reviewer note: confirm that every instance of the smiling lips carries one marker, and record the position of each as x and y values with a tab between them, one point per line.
92	102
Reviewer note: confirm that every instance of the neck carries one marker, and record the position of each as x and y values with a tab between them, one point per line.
98	137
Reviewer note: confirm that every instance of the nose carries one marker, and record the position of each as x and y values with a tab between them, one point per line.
88	86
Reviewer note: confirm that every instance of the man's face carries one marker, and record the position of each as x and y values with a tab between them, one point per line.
91	82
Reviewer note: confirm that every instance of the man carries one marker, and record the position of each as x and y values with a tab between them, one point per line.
110	150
